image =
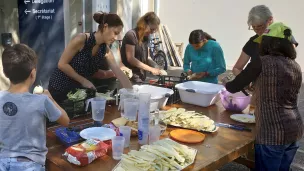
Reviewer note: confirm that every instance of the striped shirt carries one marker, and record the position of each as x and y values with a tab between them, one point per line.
278	120
277	85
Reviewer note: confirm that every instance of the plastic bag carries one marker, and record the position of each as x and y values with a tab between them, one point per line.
86	152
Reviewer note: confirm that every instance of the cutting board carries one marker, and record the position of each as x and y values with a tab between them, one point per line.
187	136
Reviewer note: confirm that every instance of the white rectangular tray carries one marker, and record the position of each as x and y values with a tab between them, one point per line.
216	128
193	150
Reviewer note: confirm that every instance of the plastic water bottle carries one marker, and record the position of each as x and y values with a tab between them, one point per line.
143	118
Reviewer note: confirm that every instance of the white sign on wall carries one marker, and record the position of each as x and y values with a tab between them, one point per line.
99	5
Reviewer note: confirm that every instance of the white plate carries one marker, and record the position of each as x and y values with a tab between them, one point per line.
244	118
100	133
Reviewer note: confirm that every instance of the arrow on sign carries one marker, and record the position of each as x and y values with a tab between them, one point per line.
25	1
26	11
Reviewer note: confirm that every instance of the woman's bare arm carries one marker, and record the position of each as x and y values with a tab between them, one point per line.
130	53
69	52
121	65
124	80
240	64
103	74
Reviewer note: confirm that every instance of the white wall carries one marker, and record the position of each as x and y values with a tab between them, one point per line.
227	21
72	16
9	24
99	5
124	10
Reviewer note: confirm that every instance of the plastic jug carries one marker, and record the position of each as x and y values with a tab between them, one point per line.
126	94
98	105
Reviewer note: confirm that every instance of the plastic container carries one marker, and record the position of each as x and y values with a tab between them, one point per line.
236	102
144	118
199	93
67	137
159	95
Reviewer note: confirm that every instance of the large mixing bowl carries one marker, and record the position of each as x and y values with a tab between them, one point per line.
234	102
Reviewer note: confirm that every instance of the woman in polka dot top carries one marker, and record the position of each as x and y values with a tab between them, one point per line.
82	58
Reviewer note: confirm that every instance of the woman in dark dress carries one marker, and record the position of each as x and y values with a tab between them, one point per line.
83	57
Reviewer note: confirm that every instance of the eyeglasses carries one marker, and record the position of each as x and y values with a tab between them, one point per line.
258	27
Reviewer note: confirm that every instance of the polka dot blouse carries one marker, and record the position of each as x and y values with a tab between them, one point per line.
83	63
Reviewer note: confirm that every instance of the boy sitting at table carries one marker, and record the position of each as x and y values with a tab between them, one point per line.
23	115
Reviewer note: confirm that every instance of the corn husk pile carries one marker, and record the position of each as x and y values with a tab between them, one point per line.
163	155
188	119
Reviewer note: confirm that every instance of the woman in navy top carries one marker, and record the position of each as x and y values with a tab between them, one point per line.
82	58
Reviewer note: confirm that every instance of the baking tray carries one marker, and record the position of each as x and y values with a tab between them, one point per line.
194	151
178	126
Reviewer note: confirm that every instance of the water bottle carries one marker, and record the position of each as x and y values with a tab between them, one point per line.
143	118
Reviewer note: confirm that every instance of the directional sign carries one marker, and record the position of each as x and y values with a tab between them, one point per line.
27	11
41	26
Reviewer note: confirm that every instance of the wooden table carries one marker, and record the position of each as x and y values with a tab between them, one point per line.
217	149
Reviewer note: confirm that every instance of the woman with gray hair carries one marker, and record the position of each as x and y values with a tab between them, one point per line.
259	18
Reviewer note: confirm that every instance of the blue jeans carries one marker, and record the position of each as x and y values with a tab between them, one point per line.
15	164
274	157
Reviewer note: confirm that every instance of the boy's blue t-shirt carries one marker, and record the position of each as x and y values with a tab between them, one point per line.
23	125
209	58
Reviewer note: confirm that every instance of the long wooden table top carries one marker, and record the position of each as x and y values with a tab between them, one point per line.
217	149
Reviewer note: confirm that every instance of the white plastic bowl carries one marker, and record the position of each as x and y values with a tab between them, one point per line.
199	93
159	95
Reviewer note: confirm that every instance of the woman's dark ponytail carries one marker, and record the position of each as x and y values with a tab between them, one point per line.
102	18
197	36
209	37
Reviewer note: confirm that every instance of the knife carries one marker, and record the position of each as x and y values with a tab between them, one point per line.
236	127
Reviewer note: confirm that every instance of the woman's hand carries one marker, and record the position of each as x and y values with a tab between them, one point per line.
127	71
87	84
124	80
109	74
201	75
155	71
227	79
197	76
189	72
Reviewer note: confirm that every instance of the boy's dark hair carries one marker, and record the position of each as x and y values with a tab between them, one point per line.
197	36
277	47
18	62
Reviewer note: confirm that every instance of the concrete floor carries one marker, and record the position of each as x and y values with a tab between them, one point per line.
298	163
